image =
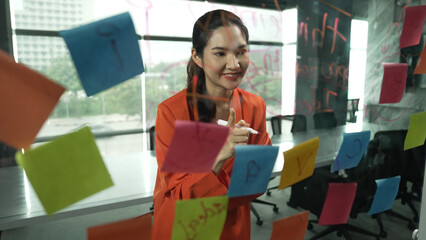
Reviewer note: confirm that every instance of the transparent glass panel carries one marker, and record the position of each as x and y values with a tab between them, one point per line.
118	108
166	73
264	76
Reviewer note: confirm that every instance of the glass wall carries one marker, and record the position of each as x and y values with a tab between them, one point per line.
132	105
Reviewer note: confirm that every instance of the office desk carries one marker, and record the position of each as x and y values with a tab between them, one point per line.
133	176
134	179
330	140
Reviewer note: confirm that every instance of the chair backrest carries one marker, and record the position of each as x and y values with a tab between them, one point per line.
324	120
7	156
365	175
299	123
352	109
276	124
152	138
391	149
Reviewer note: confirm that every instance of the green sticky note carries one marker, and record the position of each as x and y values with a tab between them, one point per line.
416	133
65	170
200	218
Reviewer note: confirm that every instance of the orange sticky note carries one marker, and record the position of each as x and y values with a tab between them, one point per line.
413	26
299	163
421	64
138	228
393	84
338	203
291	228
26	100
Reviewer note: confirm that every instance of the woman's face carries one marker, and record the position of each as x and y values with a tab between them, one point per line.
225	59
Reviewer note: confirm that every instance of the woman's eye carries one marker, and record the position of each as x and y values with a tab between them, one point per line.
242	52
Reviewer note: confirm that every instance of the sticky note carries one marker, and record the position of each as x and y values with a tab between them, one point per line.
338	203
26	100
65	170
393	84
293	227
413	26
416	133
351	151
105	53
421	63
138	228
252	169
386	192
299	163
194	147
200	218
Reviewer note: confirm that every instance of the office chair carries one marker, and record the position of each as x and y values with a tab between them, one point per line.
324	120
413	172
299	123
152	138
352	110
152	148
364	174
396	161
7	156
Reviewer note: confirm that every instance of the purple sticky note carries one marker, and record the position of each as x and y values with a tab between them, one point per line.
194	147
338	203
413	26
393	84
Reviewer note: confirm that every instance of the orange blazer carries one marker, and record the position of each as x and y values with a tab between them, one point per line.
170	187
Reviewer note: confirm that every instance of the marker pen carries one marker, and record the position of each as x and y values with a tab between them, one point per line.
224	123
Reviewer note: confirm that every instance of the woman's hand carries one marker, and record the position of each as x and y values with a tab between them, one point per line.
237	136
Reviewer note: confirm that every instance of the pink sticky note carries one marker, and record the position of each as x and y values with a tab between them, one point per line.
26	100
293	227
338	203
194	147
393	84
413	26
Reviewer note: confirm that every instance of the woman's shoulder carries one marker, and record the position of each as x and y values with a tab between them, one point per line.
175	105
177	100
250	97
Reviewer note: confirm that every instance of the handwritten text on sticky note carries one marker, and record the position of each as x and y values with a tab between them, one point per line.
252	169
200	218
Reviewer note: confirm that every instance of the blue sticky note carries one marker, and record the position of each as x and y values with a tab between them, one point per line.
252	169
352	149
386	192
105	53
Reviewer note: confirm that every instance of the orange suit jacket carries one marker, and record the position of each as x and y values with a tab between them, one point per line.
170	187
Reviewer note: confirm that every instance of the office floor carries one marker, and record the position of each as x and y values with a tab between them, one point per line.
75	228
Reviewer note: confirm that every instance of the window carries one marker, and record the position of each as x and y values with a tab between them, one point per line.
133	104
357	61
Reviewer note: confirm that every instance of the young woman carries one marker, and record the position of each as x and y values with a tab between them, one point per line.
219	58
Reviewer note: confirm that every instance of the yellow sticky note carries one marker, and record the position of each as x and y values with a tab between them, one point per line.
200	218
416	133
65	170
299	163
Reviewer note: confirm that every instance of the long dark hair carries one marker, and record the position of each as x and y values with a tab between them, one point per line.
201	34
